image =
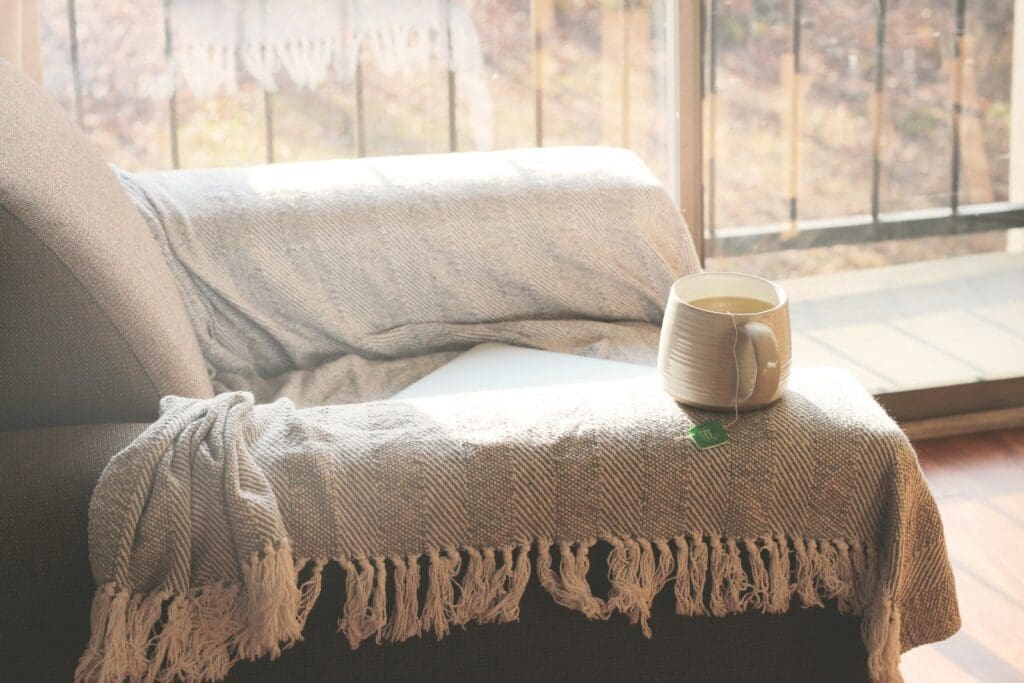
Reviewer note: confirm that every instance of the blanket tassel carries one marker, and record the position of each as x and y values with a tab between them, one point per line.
200	635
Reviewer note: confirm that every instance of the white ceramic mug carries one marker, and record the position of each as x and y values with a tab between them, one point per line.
725	360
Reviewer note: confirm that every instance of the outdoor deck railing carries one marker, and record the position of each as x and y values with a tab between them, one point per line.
955	218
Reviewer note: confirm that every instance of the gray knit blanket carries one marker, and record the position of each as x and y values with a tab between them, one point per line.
342	281
208	534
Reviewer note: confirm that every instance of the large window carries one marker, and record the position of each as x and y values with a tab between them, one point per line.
180	83
865	154
862	152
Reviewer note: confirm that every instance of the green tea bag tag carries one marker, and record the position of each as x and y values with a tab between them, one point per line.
709	434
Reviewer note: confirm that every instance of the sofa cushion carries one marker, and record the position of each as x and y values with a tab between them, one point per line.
86	300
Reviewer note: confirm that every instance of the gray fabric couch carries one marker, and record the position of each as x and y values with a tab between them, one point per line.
93	333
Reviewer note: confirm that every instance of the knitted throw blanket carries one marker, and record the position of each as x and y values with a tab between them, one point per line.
344	281
340	282
209	533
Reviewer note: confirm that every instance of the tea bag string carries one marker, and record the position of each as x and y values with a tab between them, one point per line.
736	370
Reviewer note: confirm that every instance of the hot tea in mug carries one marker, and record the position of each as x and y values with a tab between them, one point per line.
725	341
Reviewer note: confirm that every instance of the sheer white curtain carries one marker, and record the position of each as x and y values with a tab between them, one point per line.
19	35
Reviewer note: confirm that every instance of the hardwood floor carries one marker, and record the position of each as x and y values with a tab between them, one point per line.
978	481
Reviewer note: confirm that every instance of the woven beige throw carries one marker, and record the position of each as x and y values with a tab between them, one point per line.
346	281
208	534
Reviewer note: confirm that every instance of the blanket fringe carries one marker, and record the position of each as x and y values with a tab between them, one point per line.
439	606
365	611
199	636
637	572
405	622
570	588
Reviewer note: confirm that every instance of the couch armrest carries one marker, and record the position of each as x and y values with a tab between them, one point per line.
92	326
287	267
378	224
46	480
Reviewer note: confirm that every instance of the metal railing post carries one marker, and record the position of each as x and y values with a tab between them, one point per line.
453	132
172	105
76	70
268	104
539	12
794	119
877	109
958	95
710	95
360	130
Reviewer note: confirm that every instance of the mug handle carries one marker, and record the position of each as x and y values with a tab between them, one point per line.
766	360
